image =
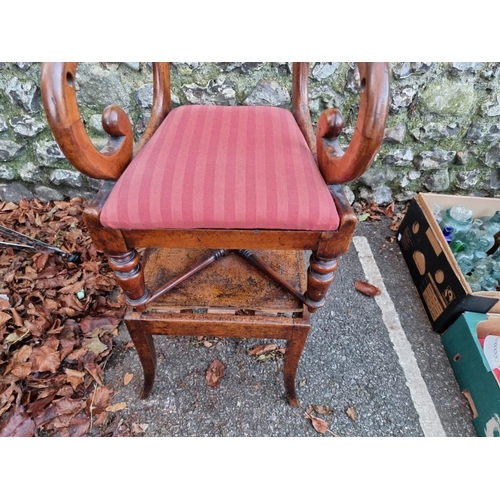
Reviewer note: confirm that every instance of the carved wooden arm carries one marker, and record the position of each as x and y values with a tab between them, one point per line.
336	166
61	107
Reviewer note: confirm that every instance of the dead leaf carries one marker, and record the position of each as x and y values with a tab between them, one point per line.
4	317
389	210
75	378
41	261
18	424
366	288
9	206
322	409
262	349
319	424
352	413
95	372
116	407
94	345
214	373
99	400
394	226
19	361
68	406
127	378
139	428
16	318
15	337
45	359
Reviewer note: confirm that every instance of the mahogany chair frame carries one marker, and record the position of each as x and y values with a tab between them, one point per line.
336	166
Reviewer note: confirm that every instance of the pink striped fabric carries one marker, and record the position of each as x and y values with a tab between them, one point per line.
223	167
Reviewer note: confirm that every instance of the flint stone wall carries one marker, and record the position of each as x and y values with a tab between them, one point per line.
443	130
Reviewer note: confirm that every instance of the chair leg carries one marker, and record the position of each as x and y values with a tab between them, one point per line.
294	349
320	276
129	274
145	347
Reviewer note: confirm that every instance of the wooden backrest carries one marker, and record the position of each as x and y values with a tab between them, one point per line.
337	166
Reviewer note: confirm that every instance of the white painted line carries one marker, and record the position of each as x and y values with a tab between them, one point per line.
428	416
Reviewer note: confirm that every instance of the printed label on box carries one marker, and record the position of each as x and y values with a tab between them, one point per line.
433	241
406	239
433	299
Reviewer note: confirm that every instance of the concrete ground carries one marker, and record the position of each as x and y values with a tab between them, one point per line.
380	373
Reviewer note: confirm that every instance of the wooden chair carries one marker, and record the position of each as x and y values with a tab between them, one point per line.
225	200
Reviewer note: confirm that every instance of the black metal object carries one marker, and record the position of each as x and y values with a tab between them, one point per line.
23	242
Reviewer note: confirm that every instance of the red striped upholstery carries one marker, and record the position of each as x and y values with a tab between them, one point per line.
223	167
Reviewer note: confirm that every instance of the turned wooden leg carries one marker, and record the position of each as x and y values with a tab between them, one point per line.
294	348
320	276
145	347
130	276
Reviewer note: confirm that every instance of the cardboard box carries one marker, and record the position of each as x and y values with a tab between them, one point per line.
441	285
474	374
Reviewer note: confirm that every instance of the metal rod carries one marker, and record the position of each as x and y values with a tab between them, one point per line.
187	274
262	266
28	243
36	244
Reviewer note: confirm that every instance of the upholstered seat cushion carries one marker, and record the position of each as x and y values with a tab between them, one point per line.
224	167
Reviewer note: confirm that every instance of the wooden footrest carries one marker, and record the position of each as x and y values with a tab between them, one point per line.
230	285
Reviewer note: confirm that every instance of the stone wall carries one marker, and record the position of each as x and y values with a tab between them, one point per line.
443	131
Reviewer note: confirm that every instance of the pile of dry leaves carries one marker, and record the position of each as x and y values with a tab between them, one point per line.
57	323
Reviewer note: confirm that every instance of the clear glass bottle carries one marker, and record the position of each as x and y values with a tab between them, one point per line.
488	220
436	212
458	217
476	227
476	277
486	239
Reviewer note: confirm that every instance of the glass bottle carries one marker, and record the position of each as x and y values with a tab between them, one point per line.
470	235
448	233
436	212
458	217
476	277
494	219
486	239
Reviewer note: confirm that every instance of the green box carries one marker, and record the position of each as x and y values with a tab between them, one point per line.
474	375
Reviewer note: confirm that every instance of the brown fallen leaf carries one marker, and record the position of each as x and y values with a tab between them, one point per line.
139	428
116	407
319	424
352	413
41	261
262	349
4	317
366	288
99	400
46	358
16	318
214	373
127	378
389	210
322	409
394	226
18	424
74	377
